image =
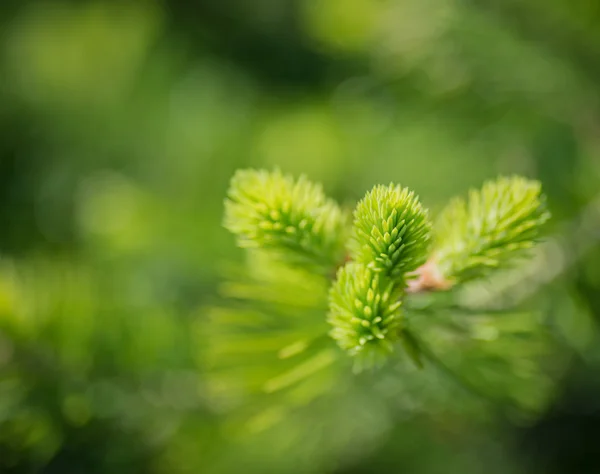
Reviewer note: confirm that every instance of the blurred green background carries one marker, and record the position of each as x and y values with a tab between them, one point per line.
120	125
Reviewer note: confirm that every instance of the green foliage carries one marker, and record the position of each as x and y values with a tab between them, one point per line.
119	134
364	312
292	218
391	231
496	226
499	357
388	248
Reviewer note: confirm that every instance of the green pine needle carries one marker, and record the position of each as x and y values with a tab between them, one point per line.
391	231
364	312
496	226
292	218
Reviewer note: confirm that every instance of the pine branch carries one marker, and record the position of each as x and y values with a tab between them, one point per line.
496	226
391	231
291	218
389	251
364	312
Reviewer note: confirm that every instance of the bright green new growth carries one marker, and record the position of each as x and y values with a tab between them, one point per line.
364	312
496	226
292	218
389	247
391	231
